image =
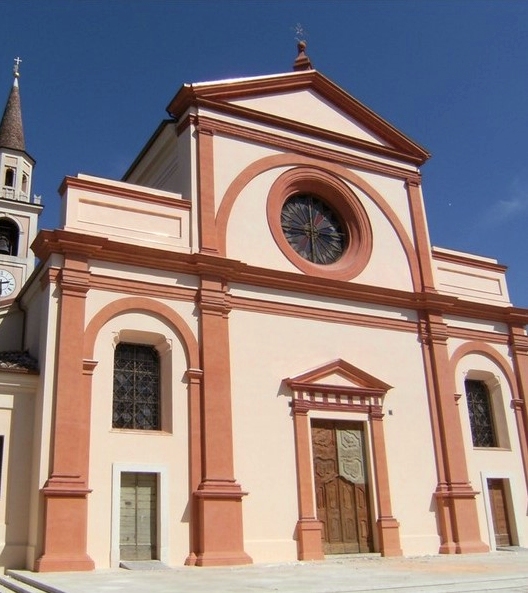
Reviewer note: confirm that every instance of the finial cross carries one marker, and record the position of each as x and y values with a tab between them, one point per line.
300	33
16	66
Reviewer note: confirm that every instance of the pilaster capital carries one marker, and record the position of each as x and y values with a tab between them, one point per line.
89	366
413	180
517	404
74	282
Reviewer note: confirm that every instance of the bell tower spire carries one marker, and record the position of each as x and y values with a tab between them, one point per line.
11	129
18	211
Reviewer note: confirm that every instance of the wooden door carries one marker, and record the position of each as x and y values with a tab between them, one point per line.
341	486
138	516
499	512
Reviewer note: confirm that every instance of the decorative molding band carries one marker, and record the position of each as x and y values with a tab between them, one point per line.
319	152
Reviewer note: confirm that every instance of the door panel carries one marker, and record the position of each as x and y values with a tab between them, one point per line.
499	512
138	516
340	486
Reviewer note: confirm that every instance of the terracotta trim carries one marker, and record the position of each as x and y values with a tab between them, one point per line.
195	378
311	380
489	352
476	335
388	526
519	352
337	195
421	237
479	347
456	258
236	89
129	304
130	192
331	171
455	497
65	492
218	498
308	532
305	312
241	130
140	288
433	411
367	399
296	145
206	190
49	242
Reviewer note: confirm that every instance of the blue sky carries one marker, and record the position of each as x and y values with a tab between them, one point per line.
97	75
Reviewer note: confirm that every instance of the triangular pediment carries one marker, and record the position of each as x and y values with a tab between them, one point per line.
337	373
305	99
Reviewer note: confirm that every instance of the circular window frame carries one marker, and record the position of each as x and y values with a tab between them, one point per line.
337	196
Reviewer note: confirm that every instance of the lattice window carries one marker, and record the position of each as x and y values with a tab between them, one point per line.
480	414
136	403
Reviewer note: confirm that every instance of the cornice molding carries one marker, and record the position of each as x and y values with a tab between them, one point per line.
233	271
244	132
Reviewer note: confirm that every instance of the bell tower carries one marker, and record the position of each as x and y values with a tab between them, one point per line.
18	211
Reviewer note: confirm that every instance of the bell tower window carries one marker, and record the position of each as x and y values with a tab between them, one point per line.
8	237
9	178
24	187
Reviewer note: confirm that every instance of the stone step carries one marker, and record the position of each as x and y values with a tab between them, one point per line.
19	581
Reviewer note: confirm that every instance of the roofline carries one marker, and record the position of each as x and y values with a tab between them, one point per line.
221	91
157	132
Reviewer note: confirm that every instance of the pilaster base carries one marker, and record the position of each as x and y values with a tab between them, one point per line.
457	507
220	541
49	563
389	536
65	527
309	543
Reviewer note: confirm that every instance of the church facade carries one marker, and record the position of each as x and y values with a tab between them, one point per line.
247	350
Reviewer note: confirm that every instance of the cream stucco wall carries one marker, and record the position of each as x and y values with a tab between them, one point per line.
17	401
266	349
310	108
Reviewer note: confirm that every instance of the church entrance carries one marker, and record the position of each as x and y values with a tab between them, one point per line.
138	516
341	486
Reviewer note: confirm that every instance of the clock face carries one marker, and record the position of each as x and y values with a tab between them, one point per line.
7	283
313	229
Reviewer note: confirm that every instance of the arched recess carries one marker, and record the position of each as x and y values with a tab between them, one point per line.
293	160
129	304
518	405
194	375
489	352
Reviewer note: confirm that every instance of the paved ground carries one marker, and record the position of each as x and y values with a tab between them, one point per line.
497	571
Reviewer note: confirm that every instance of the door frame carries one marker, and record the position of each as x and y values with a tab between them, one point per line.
162	508
361	424
510	486
342	391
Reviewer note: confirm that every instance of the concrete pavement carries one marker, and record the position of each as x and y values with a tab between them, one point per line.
497	571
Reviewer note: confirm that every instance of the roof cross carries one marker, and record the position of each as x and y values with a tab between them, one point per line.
16	66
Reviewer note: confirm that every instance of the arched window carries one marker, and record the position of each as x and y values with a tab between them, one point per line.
24	187
136	399
9	178
480	414
8	237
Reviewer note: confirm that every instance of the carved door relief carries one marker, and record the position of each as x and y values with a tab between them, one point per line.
341	486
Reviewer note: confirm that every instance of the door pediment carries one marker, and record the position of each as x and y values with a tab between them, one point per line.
337	385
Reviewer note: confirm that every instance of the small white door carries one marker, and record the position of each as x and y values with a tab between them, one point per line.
138	516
